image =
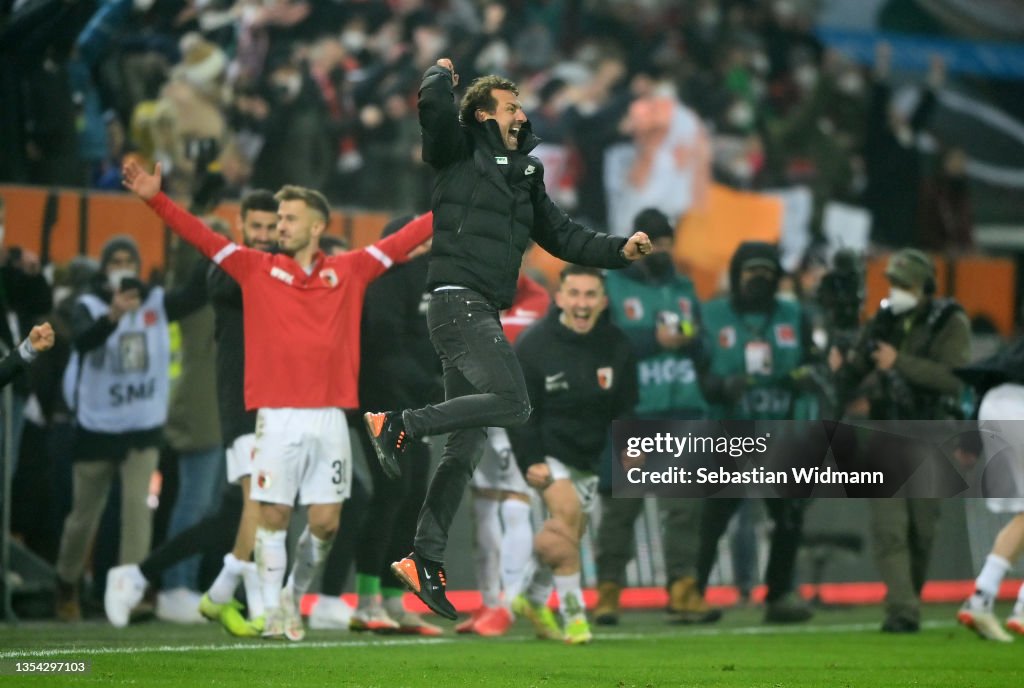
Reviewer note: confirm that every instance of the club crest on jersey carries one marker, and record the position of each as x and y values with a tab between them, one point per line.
281	274
727	337
329	276
785	335
149	318
685	308
633	308
604	377
263	480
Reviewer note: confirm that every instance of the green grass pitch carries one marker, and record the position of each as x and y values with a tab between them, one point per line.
838	648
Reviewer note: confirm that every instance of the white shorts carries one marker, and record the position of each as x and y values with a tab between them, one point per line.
302	453
585	482
1001	419
239	457
498	469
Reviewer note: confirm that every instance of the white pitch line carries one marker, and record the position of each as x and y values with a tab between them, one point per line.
8	654
398	642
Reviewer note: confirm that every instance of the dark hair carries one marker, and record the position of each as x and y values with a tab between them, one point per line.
572	269
479	97
311	197
260	200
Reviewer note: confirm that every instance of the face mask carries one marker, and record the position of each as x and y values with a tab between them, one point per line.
759	293
659	264
353	40
741	115
806	76
901	301
114	277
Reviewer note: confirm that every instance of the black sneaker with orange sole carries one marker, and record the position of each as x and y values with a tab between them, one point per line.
389	439
427	581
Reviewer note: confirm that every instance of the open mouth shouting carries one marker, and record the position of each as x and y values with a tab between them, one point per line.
581	319
512	138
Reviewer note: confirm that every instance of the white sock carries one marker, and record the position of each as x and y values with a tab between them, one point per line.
570	596
253	590
541	584
394	607
488	550
988	581
368	602
271	561
516	546
310	556
223	589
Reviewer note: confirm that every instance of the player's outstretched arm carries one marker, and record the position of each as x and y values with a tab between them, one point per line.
146	186
395	248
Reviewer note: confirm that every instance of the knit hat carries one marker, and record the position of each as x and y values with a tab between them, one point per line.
654	223
121	242
910	267
753	254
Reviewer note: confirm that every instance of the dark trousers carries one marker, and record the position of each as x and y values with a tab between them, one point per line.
483	387
389	523
788	518
903	531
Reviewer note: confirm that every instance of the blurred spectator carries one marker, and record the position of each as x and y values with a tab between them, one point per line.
892	161
297	144
945	216
193	431
25	298
667	165
116	384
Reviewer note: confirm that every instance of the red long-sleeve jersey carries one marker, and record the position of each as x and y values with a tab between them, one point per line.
531	303
301	331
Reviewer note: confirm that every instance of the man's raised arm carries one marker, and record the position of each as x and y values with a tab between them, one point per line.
189	227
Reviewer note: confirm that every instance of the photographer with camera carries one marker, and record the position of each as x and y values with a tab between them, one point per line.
117	387
901	368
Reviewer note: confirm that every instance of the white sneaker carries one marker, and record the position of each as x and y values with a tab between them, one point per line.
273	627
330	613
983	622
293	628
180	605
373	619
125	588
1015	624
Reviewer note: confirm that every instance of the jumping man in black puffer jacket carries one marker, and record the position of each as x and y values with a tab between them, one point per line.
488	202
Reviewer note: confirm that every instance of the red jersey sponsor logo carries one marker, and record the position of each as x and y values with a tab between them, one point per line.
785	335
633	308
281	274
727	337
149	318
604	377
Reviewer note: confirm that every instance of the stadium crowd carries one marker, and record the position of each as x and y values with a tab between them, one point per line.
639	108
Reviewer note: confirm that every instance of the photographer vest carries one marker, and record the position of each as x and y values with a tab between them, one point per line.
667	379
763	346
122	385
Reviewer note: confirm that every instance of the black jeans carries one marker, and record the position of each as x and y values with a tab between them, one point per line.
483	387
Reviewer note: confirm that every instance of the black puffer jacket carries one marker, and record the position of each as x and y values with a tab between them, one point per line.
489	202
